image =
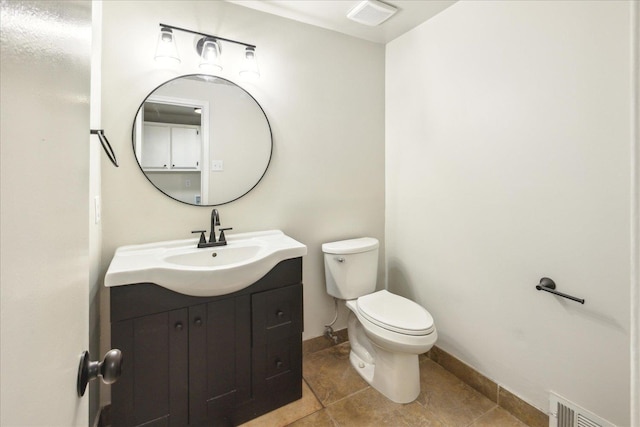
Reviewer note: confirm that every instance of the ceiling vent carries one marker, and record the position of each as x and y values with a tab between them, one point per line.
371	12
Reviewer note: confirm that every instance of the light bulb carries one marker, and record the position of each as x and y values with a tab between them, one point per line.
210	55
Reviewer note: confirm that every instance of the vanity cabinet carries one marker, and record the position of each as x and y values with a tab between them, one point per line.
207	361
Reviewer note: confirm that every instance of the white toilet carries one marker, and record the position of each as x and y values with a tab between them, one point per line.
386	332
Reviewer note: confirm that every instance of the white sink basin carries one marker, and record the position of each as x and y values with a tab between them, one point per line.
214	257
180	266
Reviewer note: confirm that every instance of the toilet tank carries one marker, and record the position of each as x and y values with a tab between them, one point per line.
351	267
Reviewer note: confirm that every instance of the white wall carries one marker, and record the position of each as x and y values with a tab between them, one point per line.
323	94
508	137
239	138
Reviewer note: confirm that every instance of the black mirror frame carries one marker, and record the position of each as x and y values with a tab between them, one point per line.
133	131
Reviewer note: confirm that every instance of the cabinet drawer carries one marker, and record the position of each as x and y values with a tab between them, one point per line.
277	314
278	370
278	358
283	374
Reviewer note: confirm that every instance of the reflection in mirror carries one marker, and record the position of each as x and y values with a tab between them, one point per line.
202	140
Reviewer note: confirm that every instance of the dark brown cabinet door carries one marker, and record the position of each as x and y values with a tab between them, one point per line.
151	390
219	360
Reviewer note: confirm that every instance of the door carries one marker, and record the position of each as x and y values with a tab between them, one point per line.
44	210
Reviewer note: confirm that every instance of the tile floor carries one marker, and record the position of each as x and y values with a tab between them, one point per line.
334	395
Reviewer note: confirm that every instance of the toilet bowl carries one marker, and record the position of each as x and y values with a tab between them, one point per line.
383	355
386	332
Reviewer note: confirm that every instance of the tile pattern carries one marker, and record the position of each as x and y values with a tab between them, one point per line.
317	419
455	402
289	413
370	408
466	373
493	391
344	399
497	417
330	375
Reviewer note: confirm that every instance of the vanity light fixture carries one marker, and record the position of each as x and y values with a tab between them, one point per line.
250	64
208	48
166	49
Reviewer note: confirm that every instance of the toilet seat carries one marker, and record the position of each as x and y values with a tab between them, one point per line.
395	313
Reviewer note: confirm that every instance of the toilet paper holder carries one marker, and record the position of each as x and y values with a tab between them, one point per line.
549	285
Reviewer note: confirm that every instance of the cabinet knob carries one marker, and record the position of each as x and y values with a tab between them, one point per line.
198	321
178	326
280	313
279	364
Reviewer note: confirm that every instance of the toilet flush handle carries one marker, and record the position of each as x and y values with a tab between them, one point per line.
340	259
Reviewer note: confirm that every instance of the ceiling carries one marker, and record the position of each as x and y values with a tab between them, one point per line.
332	15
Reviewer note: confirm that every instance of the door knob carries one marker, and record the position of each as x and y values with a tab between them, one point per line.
109	369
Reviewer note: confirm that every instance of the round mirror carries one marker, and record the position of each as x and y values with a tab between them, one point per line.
202	140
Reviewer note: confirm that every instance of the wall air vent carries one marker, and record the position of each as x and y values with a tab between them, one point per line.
371	12
567	414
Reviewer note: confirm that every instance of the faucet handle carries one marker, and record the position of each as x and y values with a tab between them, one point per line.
222	230
203	239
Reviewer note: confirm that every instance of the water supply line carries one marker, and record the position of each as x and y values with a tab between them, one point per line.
328	330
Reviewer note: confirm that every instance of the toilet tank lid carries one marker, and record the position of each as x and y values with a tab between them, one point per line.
351	246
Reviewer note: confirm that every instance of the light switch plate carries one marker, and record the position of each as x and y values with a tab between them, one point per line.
98	209
217	165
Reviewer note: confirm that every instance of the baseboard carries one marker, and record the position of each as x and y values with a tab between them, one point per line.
104	416
320	343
